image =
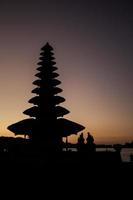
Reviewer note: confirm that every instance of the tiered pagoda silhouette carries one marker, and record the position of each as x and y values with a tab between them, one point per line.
46	124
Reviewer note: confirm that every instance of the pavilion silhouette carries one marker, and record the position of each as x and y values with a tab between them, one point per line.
46	125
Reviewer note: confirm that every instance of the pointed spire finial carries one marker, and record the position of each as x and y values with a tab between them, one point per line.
47	46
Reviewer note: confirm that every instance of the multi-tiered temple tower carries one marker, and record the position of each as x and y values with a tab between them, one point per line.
46	123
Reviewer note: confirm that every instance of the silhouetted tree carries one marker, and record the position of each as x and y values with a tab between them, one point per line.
46	124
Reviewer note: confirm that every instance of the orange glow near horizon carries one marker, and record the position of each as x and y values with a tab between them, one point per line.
105	116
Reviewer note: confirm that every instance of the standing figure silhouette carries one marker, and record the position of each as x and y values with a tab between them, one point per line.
81	142
90	145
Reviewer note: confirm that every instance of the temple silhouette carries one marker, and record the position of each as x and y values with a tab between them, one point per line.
43	147
46	124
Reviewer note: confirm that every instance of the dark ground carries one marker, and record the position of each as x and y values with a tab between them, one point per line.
65	178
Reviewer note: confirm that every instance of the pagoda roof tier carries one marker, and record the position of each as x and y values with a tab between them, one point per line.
64	128
23	127
44	75
52	82
43	53
50	57
44	68
37	100
44	62
57	111
53	90
61	111
67	127
32	112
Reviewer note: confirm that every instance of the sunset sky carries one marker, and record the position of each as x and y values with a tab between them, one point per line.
93	46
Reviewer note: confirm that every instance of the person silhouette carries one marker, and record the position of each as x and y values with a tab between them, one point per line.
81	143
90	145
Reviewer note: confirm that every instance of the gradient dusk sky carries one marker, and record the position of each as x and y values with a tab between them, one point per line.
93	46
